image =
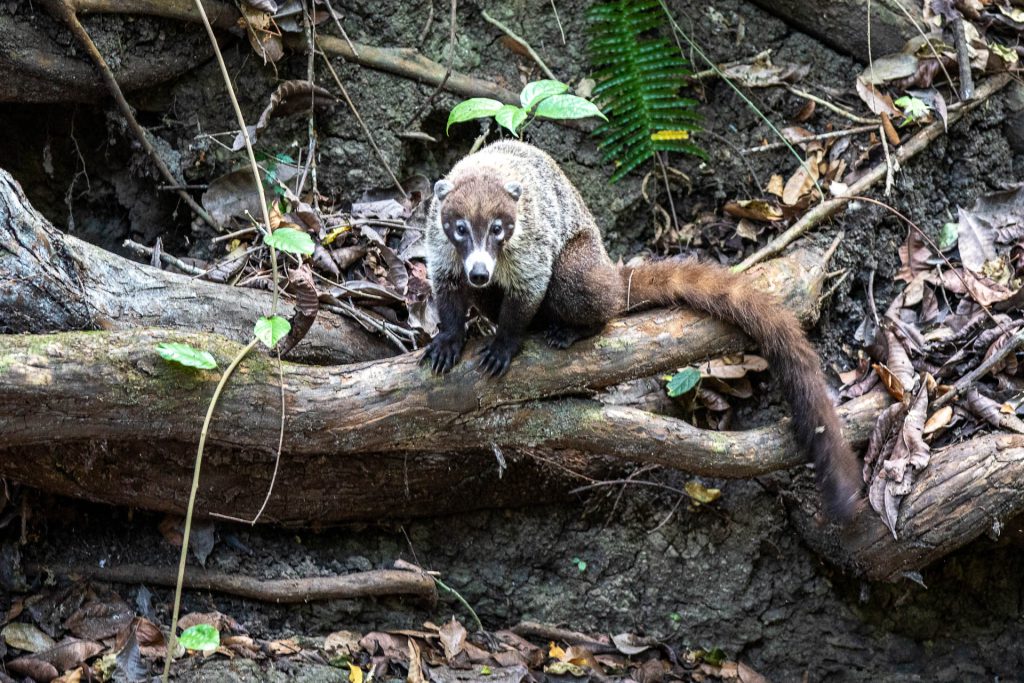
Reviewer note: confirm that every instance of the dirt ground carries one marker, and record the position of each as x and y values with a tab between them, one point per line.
734	575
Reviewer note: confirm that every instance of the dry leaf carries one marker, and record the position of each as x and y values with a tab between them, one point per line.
754	209
939	419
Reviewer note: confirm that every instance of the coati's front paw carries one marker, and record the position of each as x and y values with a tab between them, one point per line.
496	356
442	353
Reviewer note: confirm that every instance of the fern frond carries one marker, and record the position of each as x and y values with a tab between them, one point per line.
639	76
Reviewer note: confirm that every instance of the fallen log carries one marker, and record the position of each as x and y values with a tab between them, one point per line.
54	282
103	417
843	24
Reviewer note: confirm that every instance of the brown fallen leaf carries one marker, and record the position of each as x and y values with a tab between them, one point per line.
415	666
27	637
33	668
938	420
453	639
992	412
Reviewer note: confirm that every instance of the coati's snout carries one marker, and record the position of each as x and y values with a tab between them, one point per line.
478	222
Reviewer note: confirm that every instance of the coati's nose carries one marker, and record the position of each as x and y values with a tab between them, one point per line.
479	275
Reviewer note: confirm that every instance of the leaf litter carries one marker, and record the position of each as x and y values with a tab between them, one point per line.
958	311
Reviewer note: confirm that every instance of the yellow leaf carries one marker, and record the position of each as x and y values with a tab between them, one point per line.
671	135
555	652
701	494
333	234
355	674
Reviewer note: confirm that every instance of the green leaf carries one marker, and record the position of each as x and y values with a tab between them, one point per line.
271	330
186	354
473	108
200	637
948	235
567	107
536	91
510	116
290	240
683	381
581	565
913	108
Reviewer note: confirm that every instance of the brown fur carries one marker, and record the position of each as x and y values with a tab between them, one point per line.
552	272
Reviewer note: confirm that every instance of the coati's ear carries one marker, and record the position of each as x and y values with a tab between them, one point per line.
514	189
442	188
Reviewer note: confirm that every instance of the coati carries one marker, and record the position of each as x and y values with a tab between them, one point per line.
509	234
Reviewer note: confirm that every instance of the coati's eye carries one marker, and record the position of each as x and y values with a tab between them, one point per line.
461	228
496	227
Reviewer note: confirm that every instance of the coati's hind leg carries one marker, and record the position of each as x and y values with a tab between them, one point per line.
585	292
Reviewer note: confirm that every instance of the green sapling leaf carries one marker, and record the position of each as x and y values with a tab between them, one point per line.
567	107
290	240
200	637
187	355
536	91
271	330
683	381
473	108
511	117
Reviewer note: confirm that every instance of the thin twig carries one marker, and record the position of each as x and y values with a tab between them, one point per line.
820	136
65	12
668	190
426	25
233	235
362	124
447	73
963	59
829	105
248	147
526	46
341	29
164	258
890	167
830	207
558	21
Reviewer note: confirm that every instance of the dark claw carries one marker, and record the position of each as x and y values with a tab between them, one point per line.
442	353
496	357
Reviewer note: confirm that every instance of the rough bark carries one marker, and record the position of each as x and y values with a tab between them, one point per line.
112	398
843	24
54	282
967	489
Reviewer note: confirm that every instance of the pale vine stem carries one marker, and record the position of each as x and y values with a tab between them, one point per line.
197	467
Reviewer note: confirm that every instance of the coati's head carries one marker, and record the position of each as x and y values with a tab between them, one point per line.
478	214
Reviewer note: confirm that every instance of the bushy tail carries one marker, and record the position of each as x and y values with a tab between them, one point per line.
729	297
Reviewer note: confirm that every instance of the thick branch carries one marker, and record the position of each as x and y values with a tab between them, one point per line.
50	281
87	386
405	62
373	583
